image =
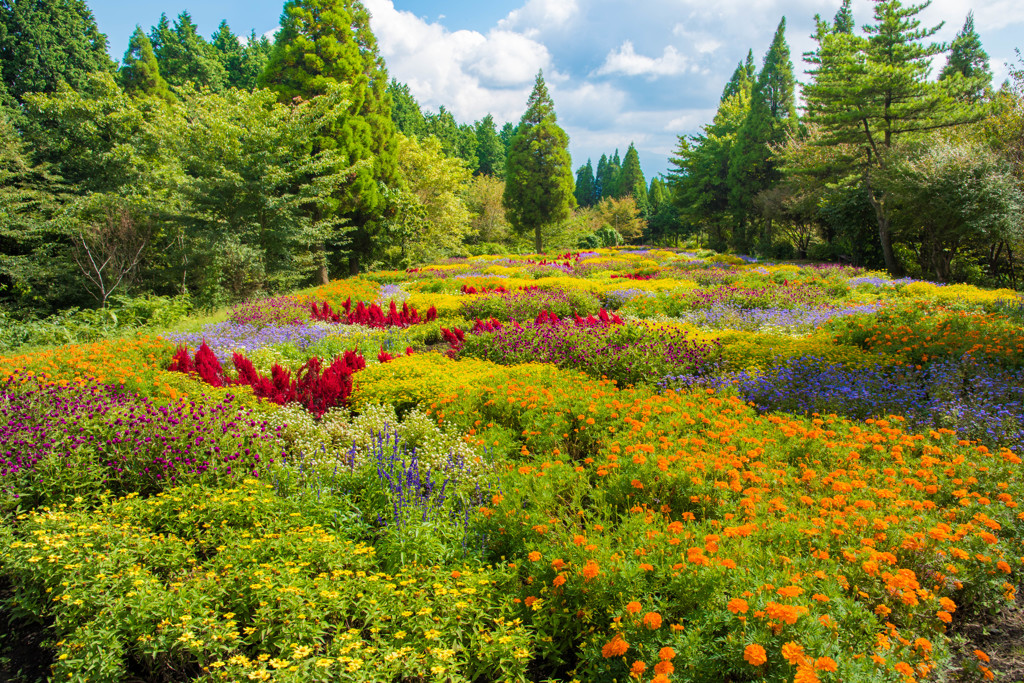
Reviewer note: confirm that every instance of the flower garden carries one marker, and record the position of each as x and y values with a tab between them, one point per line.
620	465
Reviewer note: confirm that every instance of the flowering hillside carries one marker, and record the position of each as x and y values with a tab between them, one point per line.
619	465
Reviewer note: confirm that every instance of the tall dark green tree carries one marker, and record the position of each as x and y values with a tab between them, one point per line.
323	44
631	181
586	185
870	92
46	42
770	119
741	78
255	54
490	151
608	176
140	73
405	110
184	56
538	171
967	69
456	140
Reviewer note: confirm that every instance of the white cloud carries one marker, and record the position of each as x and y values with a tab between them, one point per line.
626	61
537	16
704	43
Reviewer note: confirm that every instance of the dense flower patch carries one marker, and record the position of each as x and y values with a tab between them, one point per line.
729	471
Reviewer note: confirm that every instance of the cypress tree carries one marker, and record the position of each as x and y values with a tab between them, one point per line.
967	68
140	73
45	42
538	171
586	185
600	176
632	183
322	44
490	151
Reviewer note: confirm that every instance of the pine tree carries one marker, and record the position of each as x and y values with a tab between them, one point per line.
46	42
255	54
609	179
967	68
490	151
586	185
600	176
871	91
538	171
140	73
323	44
843	21
739	82
229	52
405	110
632	183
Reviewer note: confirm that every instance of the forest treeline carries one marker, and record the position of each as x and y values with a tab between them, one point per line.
232	166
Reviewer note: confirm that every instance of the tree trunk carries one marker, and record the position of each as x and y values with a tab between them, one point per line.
884	234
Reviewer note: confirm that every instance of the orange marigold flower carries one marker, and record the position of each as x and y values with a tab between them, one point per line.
664	667
557	563
534	556
590	570
982	656
737	606
805	674
633	607
652	620
637	669
792	652
530	599
923	644
660	678
825	664
947	604
558	580
790	591
646	567
904	669
667	653
944	616
616	647
755	654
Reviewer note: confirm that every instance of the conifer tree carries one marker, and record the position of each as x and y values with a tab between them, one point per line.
632	183
184	56
843	21
323	44
140	72
405	110
871	91
255	54
586	185
600	177
45	42
538	171
490	151
967	69
229	52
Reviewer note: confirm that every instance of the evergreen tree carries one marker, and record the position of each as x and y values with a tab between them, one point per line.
405	110
507	132
46	42
586	185
770	119
600	176
843	21
456	140
632	182
140	73
184	56
739	82
322	44
609	179
255	54
869	92
538	171
967	68
228	51
490	151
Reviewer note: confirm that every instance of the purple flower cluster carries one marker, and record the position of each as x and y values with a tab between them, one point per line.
281	310
873	280
138	445
392	292
227	337
626	353
731	316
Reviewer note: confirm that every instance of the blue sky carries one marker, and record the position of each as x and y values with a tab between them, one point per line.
618	72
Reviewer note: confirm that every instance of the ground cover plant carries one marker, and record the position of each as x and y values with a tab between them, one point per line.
616	465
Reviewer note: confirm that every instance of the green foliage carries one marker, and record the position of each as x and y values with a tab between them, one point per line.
324	44
631	181
586	186
967	66
48	42
538	171
490	150
140	72
184	56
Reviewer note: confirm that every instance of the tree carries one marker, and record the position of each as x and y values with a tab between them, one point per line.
959	196
323	44
538	172
184	56
967	68
456	140
490	151
608	176
741	78
586	186
843	21
623	216
770	119
873	91
255	55
46	42
487	215
632	183
140	72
